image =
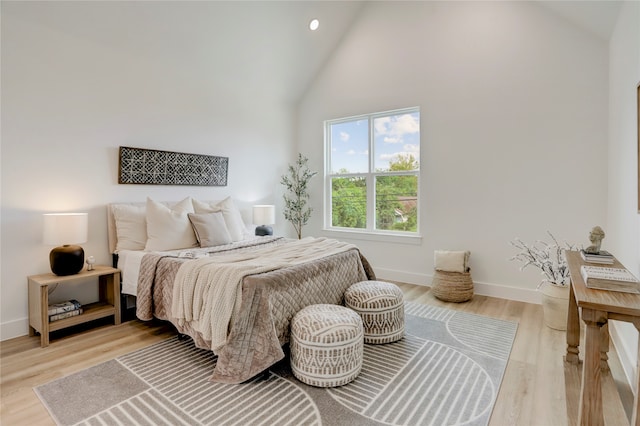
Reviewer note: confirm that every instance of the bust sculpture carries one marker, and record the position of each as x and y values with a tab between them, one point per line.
595	236
90	261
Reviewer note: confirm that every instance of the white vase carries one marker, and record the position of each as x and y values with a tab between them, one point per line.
555	305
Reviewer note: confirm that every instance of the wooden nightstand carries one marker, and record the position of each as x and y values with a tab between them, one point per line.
108	304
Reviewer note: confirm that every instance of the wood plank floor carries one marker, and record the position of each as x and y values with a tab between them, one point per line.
538	388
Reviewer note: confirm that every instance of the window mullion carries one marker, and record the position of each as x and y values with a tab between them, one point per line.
371	204
371	184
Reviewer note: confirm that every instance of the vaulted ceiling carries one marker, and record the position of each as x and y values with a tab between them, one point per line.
598	17
262	47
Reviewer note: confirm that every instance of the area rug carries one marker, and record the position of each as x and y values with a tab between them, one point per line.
446	371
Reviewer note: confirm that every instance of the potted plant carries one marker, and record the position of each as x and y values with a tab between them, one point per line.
295	200
550	260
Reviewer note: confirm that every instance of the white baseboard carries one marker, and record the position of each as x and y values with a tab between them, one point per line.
480	288
15	328
402	276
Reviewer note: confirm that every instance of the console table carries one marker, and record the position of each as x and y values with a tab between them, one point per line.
598	307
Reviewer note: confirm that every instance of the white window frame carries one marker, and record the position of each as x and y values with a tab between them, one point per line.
370	232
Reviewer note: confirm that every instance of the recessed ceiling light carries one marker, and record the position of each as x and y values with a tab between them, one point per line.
314	24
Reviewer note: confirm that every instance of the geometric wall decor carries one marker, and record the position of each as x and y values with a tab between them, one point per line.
153	167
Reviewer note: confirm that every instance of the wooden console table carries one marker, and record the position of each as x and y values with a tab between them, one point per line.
598	307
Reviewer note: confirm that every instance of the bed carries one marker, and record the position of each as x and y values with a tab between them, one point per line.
196	264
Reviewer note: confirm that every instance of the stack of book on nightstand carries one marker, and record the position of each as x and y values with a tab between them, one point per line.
62	310
603	256
614	279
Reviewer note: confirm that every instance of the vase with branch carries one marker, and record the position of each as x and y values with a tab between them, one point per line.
549	258
296	183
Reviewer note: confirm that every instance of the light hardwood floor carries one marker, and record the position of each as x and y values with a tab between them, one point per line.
538	388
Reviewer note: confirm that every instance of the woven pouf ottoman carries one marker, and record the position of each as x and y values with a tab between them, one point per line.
381	307
326	345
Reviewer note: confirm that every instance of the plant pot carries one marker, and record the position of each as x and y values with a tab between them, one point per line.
555	305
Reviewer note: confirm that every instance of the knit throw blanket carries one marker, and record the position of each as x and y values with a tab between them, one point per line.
207	292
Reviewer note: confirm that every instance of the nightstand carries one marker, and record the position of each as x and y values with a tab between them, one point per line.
107	305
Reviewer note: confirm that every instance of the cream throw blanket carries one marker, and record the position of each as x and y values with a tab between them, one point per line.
207	292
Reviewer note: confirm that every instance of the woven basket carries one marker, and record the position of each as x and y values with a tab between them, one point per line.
452	286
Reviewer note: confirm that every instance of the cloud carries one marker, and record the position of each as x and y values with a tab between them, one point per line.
351	152
409	150
344	136
387	157
395	127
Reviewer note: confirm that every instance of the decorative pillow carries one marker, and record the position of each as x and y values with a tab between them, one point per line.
210	229
131	226
451	261
232	216
169	228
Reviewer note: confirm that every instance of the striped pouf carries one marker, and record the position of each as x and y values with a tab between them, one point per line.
326	345
381	307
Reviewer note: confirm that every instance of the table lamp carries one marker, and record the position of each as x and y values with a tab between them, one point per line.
264	215
65	230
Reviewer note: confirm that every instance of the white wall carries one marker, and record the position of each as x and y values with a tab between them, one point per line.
68	103
623	218
513	122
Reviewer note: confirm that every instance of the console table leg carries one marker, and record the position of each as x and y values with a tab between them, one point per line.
573	330
635	416
590	411
604	348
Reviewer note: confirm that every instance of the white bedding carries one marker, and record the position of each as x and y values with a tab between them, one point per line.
129	261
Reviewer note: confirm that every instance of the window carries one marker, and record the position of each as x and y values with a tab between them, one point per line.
372	172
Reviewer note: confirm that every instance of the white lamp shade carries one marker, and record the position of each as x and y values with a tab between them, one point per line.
65	228
264	214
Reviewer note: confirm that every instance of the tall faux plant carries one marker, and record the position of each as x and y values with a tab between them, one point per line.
295	199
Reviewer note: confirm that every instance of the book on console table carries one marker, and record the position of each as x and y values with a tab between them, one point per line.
614	279
603	256
66	306
63	315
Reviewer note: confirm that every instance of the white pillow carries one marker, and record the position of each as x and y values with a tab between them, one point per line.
169	228
210	229
232	216
131	226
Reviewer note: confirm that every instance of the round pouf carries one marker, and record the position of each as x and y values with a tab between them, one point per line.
326	345
452	286
381	307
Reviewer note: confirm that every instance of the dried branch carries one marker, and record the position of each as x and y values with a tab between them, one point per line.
549	258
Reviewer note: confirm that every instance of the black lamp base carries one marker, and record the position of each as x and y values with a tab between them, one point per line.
66	260
263	230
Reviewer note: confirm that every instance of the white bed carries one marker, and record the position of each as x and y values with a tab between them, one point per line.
253	286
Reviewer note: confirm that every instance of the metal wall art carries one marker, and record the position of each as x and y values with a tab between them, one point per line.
153	167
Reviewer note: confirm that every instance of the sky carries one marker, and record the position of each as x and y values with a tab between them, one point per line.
393	135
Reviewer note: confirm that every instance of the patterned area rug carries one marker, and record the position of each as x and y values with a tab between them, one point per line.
446	371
